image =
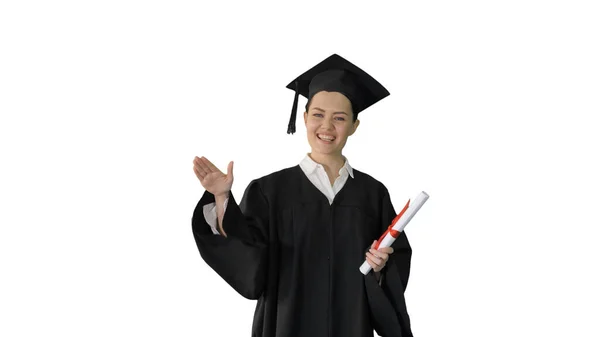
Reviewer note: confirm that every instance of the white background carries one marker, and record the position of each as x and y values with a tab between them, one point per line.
104	105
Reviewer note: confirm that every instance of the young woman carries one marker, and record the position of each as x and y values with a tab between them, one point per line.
297	239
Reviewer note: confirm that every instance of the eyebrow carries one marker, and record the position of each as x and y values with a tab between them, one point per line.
337	112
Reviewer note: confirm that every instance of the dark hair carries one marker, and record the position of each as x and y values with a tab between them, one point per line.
354	116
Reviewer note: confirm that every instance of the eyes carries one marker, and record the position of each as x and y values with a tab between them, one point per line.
337	118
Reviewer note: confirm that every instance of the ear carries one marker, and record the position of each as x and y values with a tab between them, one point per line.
305	116
354	127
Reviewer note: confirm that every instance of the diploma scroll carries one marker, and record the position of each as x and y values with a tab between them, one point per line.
397	226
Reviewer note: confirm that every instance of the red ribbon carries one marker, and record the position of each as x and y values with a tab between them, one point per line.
394	233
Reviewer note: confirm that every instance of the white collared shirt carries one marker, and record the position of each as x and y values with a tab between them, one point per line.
314	171
317	175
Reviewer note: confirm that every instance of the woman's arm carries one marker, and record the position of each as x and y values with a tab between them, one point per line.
240	258
221	206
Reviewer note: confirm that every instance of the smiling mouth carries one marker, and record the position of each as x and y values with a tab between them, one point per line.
326	138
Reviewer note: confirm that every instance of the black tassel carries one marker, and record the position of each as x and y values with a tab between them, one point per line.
292	124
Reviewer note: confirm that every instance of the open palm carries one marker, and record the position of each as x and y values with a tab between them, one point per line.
211	178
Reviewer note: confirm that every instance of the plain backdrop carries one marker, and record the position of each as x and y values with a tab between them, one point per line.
104	104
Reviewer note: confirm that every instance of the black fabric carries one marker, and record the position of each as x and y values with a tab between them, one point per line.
292	122
299	256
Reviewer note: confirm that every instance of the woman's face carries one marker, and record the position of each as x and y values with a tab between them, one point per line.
329	122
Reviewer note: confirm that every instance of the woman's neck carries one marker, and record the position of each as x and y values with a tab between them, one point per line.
331	163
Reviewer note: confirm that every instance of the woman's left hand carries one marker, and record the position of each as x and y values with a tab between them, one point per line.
378	258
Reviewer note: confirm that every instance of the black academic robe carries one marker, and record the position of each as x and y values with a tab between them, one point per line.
299	256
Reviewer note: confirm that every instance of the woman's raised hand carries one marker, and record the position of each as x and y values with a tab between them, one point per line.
211	178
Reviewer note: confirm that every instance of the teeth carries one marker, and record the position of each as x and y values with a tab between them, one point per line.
328	138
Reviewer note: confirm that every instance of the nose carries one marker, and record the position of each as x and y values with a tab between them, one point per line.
327	124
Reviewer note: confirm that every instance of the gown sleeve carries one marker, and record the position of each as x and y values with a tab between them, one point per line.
388	305
241	257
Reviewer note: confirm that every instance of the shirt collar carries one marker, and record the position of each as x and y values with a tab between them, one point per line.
309	165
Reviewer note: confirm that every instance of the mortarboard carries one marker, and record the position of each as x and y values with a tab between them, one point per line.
337	74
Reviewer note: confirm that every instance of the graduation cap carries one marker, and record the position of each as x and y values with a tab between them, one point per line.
337	74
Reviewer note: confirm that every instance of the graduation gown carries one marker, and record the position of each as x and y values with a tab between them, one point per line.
299	256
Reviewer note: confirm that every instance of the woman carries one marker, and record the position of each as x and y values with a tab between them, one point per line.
298	237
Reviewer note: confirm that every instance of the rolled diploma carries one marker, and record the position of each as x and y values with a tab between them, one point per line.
387	241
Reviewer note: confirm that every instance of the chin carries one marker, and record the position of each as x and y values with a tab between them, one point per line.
325	151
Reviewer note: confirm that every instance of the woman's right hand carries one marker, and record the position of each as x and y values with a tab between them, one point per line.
211	178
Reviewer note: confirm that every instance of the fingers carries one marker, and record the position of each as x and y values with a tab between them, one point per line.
200	167
376	263
201	163
372	263
379	255
205	166
378	258
230	170
198	174
387	250
209	166
197	170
